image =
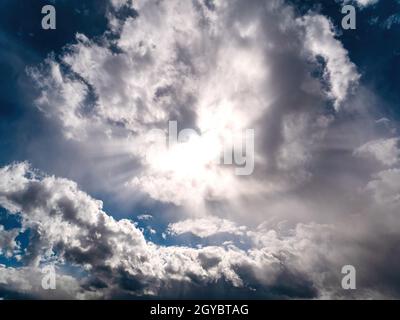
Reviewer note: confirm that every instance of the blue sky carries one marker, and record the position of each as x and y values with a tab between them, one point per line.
305	170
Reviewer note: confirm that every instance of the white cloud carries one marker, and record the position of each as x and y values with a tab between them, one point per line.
145	217
386	186
8	245
71	227
365	3
118	3
206	227
210	69
218	69
61	98
25	283
340	71
384	150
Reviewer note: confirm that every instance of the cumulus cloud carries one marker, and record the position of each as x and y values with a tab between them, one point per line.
384	150
361	3
324	192
386	186
70	228
25	283
8	245
340	71
365	3
205	227
212	70
145	217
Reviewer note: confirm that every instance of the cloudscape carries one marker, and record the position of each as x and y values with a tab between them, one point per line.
200	148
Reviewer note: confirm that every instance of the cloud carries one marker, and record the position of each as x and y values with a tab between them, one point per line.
8	245
145	217
69	227
361	3
206	227
25	283
391	21
386	186
340	71
212	70
384	150
365	3
315	202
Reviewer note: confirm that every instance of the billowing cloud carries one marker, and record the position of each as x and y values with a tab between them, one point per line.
323	194
340	72
365	3
8	245
384	150
361	3
205	227
212	70
69	227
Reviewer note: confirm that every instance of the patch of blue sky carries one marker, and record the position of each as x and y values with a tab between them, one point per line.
11	221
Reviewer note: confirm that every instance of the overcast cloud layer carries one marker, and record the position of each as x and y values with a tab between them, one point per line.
324	192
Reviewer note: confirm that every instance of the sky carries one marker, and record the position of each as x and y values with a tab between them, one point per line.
89	187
